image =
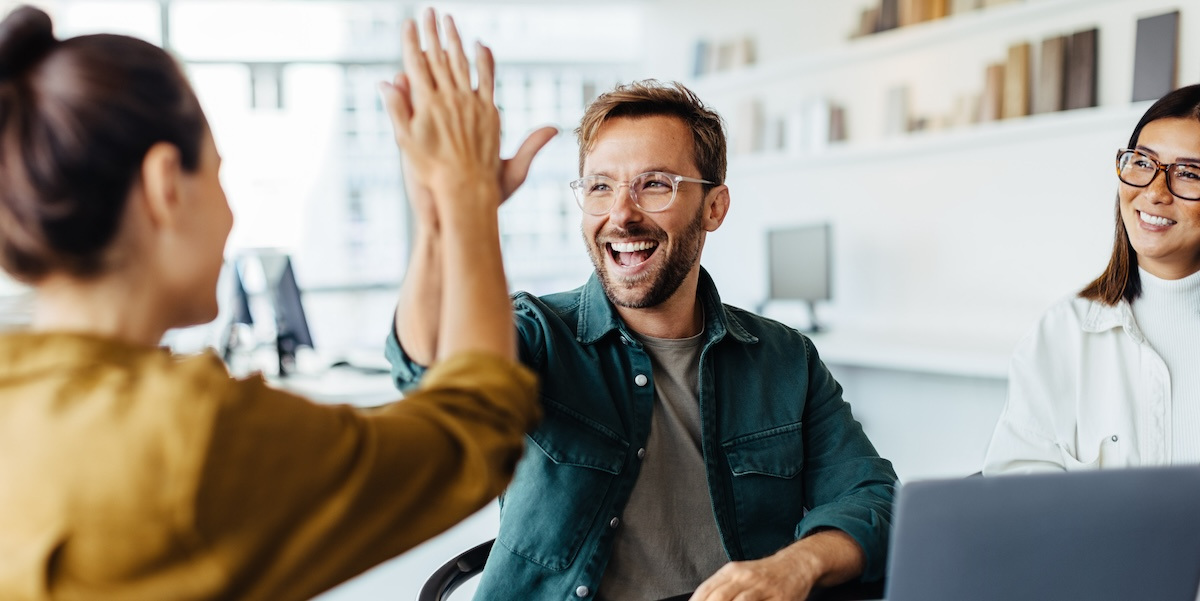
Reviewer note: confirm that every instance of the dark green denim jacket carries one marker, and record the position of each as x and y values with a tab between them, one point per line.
784	455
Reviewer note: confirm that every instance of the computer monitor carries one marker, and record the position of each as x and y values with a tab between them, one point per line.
235	304
799	262
291	326
261	290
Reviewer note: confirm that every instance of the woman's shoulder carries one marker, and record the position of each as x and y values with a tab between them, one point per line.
1073	312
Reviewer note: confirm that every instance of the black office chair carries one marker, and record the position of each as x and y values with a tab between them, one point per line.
446	579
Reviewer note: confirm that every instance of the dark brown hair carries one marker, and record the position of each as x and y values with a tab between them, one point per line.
77	117
1120	279
650	97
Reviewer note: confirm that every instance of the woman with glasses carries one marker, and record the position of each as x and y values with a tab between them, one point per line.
1109	378
129	473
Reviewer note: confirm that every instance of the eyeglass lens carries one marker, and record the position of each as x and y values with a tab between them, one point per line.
1137	169
652	191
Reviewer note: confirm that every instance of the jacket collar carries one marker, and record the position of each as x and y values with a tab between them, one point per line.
598	317
1101	317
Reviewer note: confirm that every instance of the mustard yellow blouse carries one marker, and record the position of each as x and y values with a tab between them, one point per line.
130	473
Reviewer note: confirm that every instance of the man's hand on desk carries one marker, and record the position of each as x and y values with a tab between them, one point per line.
826	558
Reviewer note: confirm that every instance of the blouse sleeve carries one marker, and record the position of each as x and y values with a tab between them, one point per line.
297	497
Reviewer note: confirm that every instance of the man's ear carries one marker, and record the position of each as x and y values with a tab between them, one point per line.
162	174
716	207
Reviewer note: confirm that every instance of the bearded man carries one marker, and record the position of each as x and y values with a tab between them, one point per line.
687	445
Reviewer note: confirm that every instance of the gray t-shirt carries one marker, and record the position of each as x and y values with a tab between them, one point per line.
668	542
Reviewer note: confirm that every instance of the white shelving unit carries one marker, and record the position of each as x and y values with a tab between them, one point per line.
947	243
970	231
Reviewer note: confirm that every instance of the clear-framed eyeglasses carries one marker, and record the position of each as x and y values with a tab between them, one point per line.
652	192
1138	170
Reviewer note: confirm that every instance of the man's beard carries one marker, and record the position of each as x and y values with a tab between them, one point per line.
666	279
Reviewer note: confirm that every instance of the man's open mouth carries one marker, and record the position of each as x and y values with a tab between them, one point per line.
629	254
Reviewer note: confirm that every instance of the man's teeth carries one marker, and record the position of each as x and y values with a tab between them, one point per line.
1155	219
628	247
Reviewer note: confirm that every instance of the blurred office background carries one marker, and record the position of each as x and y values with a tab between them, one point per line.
962	199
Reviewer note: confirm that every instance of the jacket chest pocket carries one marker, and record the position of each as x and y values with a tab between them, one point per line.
768	486
559	488
1094	452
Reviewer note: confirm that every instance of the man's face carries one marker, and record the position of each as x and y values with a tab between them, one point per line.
642	258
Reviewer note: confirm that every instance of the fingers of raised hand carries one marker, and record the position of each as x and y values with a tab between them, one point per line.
439	61
460	67
415	64
485	64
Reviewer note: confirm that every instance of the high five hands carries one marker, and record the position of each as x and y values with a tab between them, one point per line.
447	129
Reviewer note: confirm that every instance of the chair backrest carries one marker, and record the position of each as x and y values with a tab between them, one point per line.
446	579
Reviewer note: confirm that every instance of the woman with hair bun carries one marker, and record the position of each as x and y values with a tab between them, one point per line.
129	473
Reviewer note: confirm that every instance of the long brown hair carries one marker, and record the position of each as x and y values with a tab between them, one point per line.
1120	279
77	117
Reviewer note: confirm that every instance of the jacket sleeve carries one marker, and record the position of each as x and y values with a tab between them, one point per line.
299	496
407	374
849	486
1039	378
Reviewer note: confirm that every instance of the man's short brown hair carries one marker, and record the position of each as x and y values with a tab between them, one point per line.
650	97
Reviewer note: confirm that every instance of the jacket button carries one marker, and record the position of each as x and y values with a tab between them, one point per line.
641	452
613	523
640	379
582	592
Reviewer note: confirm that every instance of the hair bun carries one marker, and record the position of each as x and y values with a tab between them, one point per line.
26	34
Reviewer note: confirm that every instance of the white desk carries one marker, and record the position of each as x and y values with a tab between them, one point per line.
928	400
341	385
951	354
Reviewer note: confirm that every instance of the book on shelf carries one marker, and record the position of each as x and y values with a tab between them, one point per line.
993	93
1155	56
908	12
1081	69
837	123
1050	90
964	6
898	113
747	132
1016	82
744	51
889	15
726	55
937	9
700	59
812	125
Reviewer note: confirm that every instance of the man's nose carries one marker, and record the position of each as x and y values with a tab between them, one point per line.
624	208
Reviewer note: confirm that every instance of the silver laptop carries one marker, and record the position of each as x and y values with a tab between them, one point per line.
1109	535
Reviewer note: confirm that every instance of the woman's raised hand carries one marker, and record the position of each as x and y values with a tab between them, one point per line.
443	125
448	129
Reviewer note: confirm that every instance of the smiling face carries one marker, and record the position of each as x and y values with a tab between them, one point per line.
643	259
1164	229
